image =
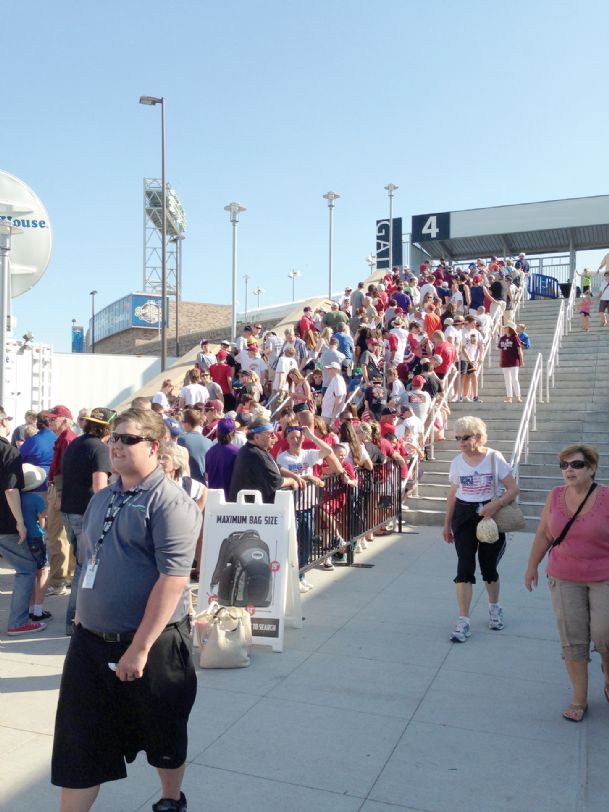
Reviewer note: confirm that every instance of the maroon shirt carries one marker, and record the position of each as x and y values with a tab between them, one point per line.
509	347
61	443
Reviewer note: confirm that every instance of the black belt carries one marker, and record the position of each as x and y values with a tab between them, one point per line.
127	637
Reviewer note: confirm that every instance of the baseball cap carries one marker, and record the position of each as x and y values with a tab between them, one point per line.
334	305
213	404
247	327
174	427
372	341
60	411
243	419
102	416
221	355
332	365
418	380
204	341
226	425
33	476
251	342
388	410
225	343
437	358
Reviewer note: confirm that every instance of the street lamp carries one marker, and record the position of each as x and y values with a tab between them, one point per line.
258	293
7	230
235	210
246	279
330	197
93	294
371	260
178	244
153	100
293	275
391	188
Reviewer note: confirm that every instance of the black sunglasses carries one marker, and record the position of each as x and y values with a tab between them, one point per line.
461	438
129	439
576	464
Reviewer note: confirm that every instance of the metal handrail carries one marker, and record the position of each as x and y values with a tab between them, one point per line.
570	306
528	421
553	357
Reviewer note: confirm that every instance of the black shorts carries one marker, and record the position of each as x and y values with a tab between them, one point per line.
102	723
464	523
38	549
603	306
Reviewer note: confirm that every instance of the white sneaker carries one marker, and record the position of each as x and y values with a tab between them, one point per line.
308	584
59	591
303	588
495	618
461	632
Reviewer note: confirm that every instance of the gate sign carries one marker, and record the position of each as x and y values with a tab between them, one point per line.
78	339
382	243
426	227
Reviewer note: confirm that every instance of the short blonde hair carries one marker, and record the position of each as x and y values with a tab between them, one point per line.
472	425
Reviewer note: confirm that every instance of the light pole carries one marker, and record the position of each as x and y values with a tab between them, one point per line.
7	230
371	260
293	275
235	210
153	100
178	244
246	279
391	188
330	197
258	293
93	294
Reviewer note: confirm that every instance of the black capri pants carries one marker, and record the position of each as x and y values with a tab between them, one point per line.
102	722
464	523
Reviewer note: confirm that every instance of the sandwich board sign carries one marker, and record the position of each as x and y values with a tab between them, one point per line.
250	559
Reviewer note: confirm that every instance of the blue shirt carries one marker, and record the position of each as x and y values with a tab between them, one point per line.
38	450
197	447
31	505
345	344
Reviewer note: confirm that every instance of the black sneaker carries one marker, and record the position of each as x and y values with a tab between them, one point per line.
169	805
44	616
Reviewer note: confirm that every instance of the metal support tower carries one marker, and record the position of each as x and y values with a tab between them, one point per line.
153	251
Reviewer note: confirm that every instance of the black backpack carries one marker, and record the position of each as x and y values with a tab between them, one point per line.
243	571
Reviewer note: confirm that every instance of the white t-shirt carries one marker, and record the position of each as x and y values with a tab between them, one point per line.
254	363
475	483
402	337
398	392
161	397
414	424
455	334
284	364
485	323
300	464
336	388
194	393
420	402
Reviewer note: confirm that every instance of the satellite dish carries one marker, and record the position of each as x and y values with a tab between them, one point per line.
30	250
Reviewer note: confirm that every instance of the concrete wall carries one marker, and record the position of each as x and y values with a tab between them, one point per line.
81	379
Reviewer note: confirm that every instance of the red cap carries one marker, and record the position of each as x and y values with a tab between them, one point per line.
221	355
60	411
418	380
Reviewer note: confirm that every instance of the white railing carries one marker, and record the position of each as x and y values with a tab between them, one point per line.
528	421
553	357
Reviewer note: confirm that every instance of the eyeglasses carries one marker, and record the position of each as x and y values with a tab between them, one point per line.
462	438
129	439
576	464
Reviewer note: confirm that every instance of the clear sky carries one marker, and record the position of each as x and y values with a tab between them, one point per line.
461	103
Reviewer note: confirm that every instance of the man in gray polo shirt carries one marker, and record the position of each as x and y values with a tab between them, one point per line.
128	682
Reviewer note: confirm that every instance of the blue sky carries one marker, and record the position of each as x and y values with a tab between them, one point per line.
461	103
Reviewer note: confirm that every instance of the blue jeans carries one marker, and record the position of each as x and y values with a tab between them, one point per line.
73	525
19	557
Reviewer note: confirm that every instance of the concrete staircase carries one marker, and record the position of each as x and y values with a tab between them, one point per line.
578	411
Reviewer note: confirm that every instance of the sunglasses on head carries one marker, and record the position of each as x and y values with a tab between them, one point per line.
129	439
461	438
576	464
293	428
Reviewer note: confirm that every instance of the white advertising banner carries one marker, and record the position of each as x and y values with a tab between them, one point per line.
250	559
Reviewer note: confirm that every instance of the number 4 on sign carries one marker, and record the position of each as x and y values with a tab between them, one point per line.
431	227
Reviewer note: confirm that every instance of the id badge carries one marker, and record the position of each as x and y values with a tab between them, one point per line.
89	576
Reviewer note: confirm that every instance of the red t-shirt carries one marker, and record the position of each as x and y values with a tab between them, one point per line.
432	323
448	353
222	374
61	443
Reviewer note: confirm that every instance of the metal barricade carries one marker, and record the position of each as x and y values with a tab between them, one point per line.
331	517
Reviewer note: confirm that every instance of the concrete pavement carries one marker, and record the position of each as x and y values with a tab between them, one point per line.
369	707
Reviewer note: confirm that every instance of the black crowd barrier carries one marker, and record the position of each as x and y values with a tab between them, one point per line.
330	518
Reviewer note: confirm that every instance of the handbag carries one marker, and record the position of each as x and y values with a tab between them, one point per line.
510	517
225	637
487	531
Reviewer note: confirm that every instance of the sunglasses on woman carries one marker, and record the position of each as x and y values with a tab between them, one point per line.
576	464
129	439
462	438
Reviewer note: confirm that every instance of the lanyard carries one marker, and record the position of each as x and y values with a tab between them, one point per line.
117	502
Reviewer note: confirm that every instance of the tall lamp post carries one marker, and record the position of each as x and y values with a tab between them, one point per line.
258	293
178	244
234	210
93	294
293	275
391	188
246	279
7	230
153	100
330	197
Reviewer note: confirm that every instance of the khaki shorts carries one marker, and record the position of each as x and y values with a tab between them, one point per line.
582	616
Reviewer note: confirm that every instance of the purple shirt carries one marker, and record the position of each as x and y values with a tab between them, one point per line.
403	300
219	462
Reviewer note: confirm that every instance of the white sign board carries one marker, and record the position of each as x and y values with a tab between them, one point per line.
249	559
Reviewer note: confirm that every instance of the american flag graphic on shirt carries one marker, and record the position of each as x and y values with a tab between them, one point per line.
477	485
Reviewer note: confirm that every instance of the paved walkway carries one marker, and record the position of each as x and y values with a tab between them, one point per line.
369	708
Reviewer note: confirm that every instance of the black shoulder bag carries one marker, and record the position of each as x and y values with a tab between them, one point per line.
567	527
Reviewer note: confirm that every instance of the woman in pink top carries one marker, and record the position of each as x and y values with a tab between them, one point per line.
578	568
